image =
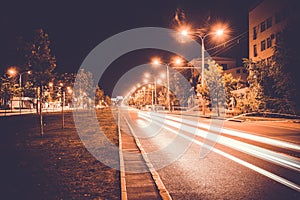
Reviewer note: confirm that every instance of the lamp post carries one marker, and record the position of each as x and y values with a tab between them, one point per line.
152	95
202	37
13	72
63	97
154	99
157	62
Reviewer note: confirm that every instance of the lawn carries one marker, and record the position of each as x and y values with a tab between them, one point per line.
57	165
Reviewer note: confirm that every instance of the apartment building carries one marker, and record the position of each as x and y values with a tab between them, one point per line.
266	20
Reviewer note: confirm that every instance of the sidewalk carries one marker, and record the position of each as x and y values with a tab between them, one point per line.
29	111
134	185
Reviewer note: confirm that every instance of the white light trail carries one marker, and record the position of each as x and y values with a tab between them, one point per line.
257	138
271	156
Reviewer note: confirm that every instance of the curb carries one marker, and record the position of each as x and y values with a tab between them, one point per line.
158	182
122	167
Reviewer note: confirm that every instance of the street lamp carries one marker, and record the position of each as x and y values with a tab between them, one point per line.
13	72
154	97
202	37
157	61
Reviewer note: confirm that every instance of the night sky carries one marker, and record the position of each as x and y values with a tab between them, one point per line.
76	28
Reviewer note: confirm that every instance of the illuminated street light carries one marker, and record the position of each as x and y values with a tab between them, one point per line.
184	32
219	32
154	96
202	36
157	61
12	72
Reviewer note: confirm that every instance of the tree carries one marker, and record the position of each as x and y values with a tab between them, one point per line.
7	89
255	99
214	82
99	95
107	100
84	89
230	84
213	90
285	67
180	87
41	63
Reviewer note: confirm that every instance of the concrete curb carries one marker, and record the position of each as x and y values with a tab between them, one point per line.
158	182
122	166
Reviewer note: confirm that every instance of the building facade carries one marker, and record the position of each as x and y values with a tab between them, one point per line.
266	20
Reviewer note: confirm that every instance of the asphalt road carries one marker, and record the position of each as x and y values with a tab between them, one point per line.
199	158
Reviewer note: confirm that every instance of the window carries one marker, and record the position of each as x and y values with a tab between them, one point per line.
262	26
269	22
269	42
254	33
254	50
244	71
238	71
263	45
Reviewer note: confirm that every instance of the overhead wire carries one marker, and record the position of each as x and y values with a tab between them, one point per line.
225	46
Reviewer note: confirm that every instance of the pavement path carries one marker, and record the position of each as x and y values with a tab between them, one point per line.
138	179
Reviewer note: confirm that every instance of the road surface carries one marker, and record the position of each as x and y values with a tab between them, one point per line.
199	158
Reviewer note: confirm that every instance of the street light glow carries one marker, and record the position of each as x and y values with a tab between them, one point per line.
147	75
184	32
219	32
156	61
12	71
178	61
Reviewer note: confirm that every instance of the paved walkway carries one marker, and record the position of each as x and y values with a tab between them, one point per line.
135	185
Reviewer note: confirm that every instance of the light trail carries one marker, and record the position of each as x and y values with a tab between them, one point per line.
256	138
265	154
268	155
